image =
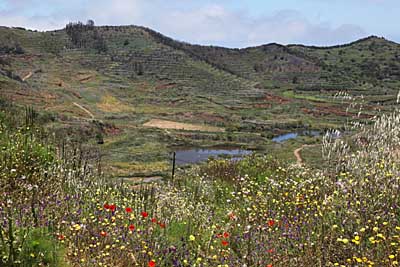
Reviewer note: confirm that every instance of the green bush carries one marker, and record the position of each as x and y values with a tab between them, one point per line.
41	249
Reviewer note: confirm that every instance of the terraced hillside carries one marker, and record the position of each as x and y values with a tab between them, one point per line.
369	62
109	85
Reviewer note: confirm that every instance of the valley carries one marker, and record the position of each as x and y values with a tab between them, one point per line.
137	95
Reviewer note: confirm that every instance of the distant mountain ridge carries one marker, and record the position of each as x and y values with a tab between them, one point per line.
370	37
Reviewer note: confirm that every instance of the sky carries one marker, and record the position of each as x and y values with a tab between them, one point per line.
230	23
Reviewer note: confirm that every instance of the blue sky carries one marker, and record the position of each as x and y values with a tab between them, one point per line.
232	23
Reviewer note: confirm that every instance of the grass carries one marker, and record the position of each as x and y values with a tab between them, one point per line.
291	94
110	104
58	209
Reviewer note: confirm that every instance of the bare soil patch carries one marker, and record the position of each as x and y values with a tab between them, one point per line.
85	78
276	99
111	130
164	124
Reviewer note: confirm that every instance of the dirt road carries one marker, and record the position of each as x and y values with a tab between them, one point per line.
297	154
84	109
27	76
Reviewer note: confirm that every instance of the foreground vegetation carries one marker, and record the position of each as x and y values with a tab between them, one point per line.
56	209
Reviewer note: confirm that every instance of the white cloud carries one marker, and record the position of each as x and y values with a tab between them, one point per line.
205	24
217	25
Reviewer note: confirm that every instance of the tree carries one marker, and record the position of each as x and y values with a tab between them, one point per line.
90	24
86	36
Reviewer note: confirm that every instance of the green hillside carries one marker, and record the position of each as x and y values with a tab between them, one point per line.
139	94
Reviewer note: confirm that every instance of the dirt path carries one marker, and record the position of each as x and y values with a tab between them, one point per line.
297	154
27	76
84	109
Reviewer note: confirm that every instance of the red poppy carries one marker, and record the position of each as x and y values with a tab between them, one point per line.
131	227
271	223
144	214
113	207
226	235
153	220
128	210
61	237
270	250
152	263
162	225
106	206
269	265
224	243
102	233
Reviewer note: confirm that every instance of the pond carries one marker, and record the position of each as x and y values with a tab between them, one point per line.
196	155
293	135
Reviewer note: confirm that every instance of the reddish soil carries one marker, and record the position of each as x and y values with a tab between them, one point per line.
49	96
211	117
276	99
76	94
112	130
85	78
258	105
29	58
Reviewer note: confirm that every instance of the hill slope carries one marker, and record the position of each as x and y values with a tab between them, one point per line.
109	84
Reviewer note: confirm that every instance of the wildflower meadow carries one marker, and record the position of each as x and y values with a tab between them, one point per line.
58	209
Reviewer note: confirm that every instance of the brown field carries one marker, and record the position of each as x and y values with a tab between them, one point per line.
164	124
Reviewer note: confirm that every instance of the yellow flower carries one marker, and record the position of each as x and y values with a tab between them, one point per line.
380	236
345	240
192	238
391	256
